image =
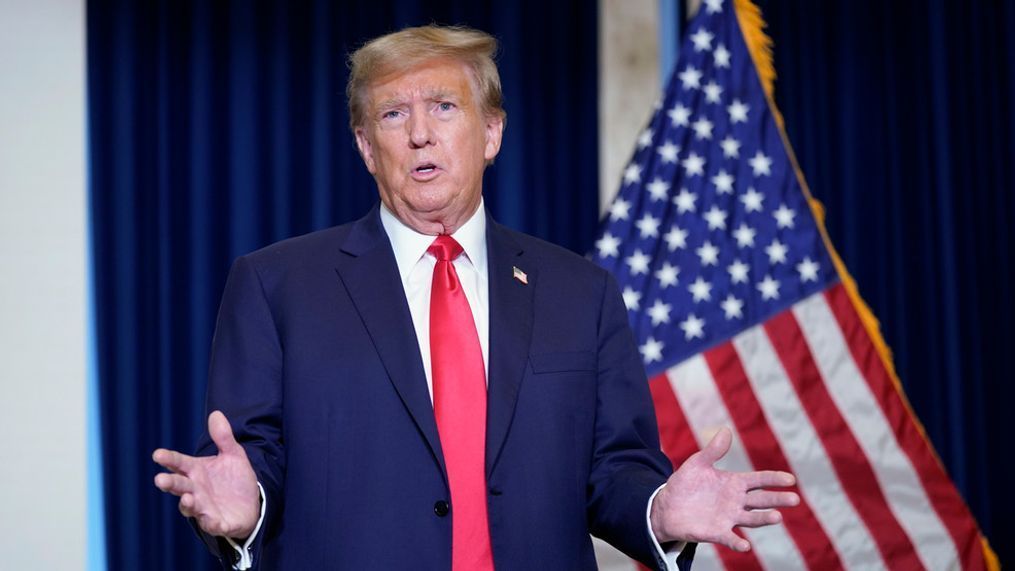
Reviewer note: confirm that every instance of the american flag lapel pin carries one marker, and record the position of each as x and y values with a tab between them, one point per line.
519	275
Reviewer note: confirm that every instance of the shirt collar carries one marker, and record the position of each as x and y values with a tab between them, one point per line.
410	246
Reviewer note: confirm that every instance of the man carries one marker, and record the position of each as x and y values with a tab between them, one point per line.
425	388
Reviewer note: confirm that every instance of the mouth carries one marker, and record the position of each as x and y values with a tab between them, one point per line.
425	171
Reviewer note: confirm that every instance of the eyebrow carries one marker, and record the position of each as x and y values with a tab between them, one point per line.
435	94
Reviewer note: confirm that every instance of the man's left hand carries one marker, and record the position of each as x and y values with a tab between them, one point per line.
701	503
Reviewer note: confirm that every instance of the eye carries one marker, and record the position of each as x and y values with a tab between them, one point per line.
445	106
393	114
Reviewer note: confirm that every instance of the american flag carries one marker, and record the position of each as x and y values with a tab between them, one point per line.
743	320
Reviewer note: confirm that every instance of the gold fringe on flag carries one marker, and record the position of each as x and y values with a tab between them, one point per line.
759	45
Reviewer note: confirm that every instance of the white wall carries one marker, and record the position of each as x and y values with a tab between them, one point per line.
42	284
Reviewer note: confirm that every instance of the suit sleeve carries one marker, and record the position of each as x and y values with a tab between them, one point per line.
245	383
628	465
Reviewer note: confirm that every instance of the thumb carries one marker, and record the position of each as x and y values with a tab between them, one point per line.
718	446
221	433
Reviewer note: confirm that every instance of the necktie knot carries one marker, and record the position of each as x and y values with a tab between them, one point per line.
445	248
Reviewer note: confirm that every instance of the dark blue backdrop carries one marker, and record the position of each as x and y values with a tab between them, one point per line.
218	127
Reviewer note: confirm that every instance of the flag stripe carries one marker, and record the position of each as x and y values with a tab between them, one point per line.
801	444
850	392
763	448
697	394
942	495
675	436
848	459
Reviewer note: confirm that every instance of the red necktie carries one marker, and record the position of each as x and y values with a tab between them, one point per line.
459	399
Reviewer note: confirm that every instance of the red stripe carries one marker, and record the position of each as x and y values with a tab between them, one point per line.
943	495
764	451
679	443
675	434
848	459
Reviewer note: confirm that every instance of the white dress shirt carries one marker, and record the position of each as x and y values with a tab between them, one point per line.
415	268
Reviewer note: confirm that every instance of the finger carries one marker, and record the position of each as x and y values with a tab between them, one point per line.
187	505
734	542
759	518
718	446
763	499
173	460
221	433
175	484
768	479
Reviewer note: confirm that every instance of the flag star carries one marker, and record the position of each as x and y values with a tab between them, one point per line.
680	116
631	298
648	226
645	138
676	238
702	129
808	270
744	235
701	290
708	253
738	271
738	111
668	152
608	246
659	312
620	210
632	174
702	40
752	200
769	288
713	92
693	327
730	148
638	262
657	189
652	350
667	275
761	164
713	6
694	165
716	218
690	78
721	56
733	307
784	216
723	182
776	252
685	201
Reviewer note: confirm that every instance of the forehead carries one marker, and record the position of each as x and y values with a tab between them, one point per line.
435	77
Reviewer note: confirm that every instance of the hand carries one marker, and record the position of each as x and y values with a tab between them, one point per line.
220	491
703	504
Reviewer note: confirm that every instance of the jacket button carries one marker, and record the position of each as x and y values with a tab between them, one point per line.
441	508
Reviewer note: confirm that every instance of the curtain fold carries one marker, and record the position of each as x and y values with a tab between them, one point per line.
216	128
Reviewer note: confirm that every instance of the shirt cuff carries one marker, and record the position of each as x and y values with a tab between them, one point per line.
246	558
668	556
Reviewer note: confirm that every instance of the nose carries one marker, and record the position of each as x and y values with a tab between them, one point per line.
420	130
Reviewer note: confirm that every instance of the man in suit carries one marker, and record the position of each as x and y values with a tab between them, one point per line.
426	388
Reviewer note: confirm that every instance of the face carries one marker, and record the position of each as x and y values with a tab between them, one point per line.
426	140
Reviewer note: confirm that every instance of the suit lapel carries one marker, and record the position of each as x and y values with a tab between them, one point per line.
510	332
370	274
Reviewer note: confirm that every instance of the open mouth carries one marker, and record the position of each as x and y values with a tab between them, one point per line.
425	172
426	168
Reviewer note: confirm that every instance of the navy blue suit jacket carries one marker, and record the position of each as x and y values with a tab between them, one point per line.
315	363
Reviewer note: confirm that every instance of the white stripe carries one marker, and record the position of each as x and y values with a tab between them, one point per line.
608	558
706	558
804	451
695	388
906	496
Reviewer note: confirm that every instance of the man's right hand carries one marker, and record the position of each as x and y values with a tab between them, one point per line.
220	491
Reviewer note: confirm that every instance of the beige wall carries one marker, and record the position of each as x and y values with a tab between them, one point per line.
42	284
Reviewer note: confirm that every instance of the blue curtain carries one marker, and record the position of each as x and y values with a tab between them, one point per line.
218	127
902	114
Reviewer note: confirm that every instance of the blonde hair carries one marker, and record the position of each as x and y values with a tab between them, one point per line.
405	49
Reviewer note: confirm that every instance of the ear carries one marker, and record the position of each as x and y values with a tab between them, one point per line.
366	150
494	133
